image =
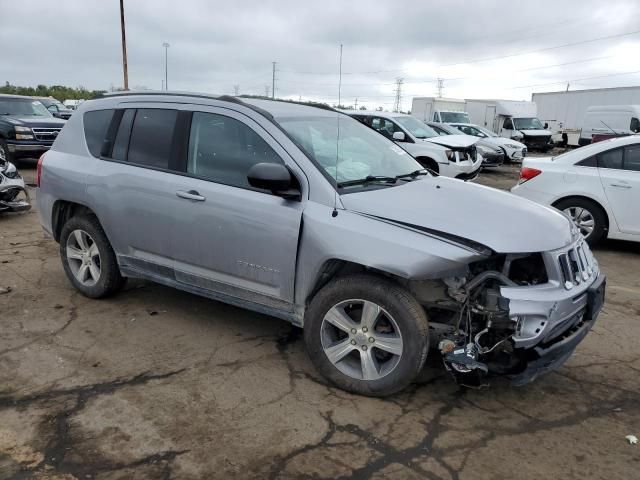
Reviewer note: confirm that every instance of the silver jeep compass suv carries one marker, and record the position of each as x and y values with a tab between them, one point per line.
305	214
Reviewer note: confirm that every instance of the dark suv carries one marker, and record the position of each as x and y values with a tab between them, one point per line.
27	128
56	107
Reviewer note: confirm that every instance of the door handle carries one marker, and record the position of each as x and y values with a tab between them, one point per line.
620	185
191	195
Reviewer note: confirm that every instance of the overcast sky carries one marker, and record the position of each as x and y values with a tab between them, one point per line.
482	49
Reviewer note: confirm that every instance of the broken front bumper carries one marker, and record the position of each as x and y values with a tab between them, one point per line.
553	352
14	196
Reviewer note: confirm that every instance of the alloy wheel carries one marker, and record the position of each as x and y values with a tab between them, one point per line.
361	339
83	257
582	218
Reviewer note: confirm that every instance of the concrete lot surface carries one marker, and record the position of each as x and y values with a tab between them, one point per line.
155	383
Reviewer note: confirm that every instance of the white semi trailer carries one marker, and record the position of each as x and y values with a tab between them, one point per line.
565	112
441	110
511	119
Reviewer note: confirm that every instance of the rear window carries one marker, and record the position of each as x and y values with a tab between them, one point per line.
96	124
610	159
151	137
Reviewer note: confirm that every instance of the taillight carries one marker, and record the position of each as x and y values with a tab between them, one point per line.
39	170
527	173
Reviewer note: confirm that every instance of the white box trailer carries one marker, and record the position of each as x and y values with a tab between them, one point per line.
438	109
565	111
511	119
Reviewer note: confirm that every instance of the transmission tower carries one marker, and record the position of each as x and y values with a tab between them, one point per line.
236	90
398	102
267	89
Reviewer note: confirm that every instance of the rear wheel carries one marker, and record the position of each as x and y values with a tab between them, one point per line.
587	215
366	335
88	259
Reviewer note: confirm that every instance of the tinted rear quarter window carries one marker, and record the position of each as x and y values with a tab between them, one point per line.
632	158
610	159
151	137
96	124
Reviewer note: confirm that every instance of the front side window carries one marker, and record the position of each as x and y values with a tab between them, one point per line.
346	149
635	125
223	149
508	124
151	137
416	127
96	124
610	159
632	158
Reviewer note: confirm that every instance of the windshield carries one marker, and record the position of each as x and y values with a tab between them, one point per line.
455	117
488	133
416	128
23	108
527	124
362	152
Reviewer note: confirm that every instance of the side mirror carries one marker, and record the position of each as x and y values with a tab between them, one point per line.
273	177
398	136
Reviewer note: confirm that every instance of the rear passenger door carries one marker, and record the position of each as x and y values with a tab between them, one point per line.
620	176
134	189
229	237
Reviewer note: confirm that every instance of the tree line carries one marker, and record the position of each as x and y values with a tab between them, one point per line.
59	92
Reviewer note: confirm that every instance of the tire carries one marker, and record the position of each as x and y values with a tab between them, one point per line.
398	315
429	163
585	210
5	155
99	258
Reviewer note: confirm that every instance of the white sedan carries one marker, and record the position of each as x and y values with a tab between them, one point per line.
598	186
514	151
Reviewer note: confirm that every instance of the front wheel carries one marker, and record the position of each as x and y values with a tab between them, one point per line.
366	335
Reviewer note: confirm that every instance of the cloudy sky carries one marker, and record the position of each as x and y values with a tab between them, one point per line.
481	49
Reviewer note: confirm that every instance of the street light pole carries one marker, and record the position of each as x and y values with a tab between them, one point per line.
166	74
124	47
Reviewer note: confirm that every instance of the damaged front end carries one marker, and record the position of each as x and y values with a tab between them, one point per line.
515	315
14	196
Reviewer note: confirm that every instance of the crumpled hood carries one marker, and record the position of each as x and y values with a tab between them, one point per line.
536	133
453	140
499	220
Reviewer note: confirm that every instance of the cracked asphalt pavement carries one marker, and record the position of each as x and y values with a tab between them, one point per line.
156	383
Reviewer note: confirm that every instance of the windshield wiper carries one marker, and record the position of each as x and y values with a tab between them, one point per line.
368	179
415	173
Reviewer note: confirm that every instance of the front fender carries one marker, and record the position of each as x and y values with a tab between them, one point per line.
373	243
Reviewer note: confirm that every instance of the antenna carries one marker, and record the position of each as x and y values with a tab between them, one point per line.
614	132
335	196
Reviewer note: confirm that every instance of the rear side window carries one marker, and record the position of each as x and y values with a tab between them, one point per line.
632	158
610	159
151	137
96	124
223	149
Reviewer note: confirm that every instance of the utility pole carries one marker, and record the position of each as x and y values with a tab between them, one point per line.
166	65
398	103
124	47
266	91
236	90
567	87
440	87
355	105
273	81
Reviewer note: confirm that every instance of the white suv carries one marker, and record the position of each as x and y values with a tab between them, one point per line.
451	156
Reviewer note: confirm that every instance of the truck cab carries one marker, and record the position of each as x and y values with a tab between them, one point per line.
527	130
